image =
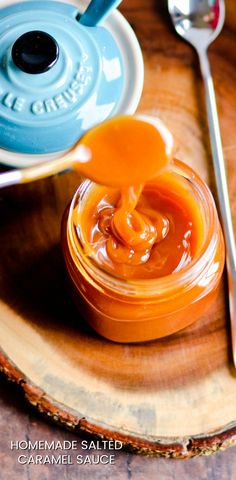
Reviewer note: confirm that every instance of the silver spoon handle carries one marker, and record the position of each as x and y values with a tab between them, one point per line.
222	190
39	171
10	178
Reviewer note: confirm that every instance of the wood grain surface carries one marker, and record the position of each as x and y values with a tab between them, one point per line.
166	396
18	421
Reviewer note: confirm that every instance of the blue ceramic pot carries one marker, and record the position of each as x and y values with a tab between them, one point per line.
57	77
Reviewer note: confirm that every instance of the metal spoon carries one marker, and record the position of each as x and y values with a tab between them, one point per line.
85	156
96	11
199	22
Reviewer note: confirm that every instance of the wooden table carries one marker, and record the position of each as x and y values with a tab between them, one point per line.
17	419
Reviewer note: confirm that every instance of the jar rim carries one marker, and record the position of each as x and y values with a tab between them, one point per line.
192	272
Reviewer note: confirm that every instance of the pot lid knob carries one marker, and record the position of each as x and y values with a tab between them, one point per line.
35	52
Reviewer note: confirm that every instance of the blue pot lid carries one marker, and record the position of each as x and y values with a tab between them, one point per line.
57	77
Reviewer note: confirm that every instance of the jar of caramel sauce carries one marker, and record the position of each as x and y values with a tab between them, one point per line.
143	274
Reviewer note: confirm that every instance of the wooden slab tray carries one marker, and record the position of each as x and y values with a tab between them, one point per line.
172	397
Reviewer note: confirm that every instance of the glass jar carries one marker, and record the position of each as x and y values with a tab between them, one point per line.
139	310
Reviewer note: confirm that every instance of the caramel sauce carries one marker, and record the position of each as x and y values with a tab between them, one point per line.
144	223
124	151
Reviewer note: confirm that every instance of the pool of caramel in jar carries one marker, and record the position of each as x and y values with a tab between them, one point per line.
142	233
